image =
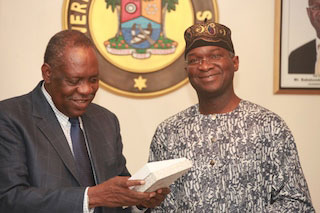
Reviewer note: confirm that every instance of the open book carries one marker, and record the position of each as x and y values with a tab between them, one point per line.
160	174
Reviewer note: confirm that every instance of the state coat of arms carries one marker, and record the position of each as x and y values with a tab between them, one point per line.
140	43
141	30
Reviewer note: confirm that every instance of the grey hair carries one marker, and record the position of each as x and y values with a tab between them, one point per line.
60	41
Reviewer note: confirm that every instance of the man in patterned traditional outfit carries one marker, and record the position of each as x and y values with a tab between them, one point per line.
244	156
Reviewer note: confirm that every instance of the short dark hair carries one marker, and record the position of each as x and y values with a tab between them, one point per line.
60	41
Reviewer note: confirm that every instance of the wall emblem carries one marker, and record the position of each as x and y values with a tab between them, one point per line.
140	43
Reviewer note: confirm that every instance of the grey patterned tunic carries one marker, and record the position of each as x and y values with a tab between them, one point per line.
243	161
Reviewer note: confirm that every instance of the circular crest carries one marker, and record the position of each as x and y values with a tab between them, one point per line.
140	43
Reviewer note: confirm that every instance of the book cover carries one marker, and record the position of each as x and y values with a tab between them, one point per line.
160	174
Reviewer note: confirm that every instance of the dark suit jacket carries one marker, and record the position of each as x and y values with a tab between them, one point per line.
303	59
37	169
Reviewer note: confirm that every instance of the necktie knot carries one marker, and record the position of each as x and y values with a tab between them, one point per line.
74	121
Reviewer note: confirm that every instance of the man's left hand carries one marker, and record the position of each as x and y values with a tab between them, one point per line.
157	199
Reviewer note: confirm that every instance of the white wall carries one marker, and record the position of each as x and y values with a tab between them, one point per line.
26	27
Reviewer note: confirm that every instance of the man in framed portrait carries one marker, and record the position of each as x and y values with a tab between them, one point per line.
306	58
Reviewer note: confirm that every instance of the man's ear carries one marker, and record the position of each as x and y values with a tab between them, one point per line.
46	72
309	14
235	60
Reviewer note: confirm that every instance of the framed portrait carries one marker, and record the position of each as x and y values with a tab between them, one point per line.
295	48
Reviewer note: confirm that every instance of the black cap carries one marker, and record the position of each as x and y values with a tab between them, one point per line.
208	34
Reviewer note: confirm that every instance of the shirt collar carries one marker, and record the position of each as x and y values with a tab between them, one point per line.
62	118
317	45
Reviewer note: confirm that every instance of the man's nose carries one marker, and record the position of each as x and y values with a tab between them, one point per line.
205	64
85	88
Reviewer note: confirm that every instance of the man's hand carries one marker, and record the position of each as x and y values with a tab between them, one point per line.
115	192
157	199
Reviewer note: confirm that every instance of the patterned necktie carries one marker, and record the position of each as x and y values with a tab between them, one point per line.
317	66
81	153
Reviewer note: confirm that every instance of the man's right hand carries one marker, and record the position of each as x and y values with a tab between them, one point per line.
115	192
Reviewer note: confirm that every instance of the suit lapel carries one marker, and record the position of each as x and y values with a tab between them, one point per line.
50	127
93	137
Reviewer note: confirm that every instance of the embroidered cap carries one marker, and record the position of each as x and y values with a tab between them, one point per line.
208	33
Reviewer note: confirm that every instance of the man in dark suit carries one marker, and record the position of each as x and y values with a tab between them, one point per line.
38	167
303	59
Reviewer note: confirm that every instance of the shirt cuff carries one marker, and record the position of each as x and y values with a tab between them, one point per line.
134	209
86	202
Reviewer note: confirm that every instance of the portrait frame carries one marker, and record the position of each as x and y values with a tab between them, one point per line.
286	41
